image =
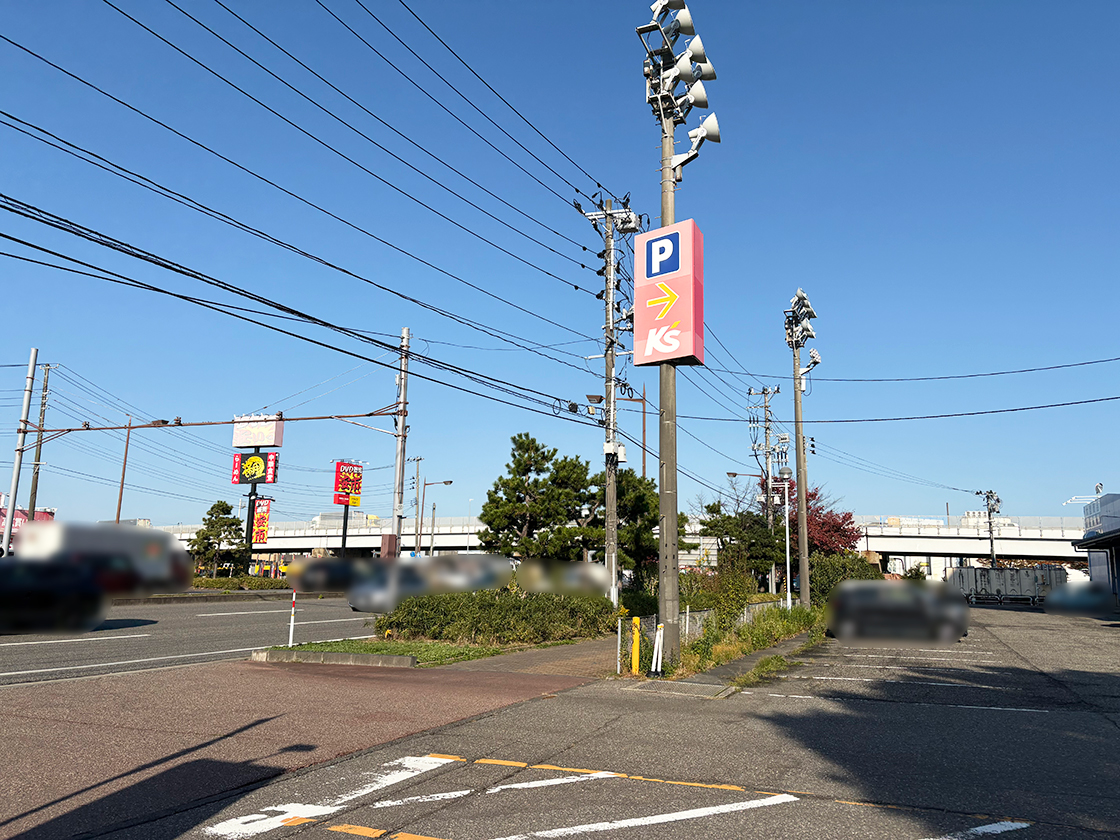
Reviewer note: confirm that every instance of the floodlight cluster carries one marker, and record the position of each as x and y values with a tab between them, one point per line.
798	326
665	69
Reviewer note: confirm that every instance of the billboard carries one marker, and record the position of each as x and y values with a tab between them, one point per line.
253	430
256	468
669	295
347	478
261	512
348	499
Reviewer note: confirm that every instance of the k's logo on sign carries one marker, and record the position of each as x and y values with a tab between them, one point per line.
663	255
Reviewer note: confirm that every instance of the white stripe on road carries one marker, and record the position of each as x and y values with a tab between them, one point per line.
982	830
130	661
912	682
826	698
565	780
926	650
333	620
656	819
922	658
431	797
83	639
389	774
247	612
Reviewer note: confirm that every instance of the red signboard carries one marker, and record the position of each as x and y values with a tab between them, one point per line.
347	499
260	520
271	462
669	295
237	468
348	479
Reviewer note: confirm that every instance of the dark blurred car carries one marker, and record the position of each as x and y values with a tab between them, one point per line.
328	576
1088	599
42	596
887	609
386	586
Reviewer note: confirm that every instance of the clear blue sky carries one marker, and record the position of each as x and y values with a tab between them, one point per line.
940	177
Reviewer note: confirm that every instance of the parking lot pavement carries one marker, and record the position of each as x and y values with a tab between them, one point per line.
894	758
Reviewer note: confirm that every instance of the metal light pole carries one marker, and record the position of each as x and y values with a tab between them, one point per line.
420	524
664	70
469	503
21	437
798	331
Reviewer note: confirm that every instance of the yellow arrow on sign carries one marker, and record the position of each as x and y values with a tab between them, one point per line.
669	299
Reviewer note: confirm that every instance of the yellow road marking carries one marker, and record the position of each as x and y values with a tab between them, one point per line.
404	835
297	820
359	830
448	757
567	769
849	802
687	784
501	762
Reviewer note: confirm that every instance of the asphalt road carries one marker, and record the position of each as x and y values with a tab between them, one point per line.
1014	731
137	637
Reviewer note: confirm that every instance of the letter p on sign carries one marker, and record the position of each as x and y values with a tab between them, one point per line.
663	255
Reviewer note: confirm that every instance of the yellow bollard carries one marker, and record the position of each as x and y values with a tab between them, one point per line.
637	635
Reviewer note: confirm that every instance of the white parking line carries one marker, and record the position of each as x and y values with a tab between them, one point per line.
431	797
656	819
911	682
247	612
129	661
922	658
83	639
564	780
983	830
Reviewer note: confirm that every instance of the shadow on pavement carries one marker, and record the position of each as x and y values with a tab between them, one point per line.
123	624
196	785
1038	747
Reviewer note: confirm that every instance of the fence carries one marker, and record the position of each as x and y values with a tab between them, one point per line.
692	626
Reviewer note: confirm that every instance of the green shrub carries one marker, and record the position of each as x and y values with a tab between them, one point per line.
500	617
826	572
241	582
914	573
637	602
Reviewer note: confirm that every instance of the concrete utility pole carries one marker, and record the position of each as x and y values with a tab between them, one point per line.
419	510
21	437
992	502
124	467
664	70
31	502
798	331
768	473
400	422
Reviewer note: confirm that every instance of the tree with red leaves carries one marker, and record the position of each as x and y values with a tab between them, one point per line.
830	531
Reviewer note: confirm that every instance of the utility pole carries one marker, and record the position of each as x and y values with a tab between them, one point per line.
992	502
419	510
124	466
38	446
767	421
17	463
664	70
625	221
798	331
401	424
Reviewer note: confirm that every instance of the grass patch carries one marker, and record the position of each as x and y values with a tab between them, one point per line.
717	647
766	669
428	654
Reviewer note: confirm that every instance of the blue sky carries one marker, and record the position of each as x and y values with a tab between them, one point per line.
940	177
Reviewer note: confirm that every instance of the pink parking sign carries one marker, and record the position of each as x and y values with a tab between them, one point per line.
669	295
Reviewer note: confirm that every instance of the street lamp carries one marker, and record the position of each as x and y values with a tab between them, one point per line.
469	503
420	524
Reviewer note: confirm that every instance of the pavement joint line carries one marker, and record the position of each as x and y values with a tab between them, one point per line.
84	639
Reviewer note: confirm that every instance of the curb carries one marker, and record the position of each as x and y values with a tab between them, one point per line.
325	658
216	598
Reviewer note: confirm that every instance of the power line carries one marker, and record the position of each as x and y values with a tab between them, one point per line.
403	135
459	93
312	136
497	333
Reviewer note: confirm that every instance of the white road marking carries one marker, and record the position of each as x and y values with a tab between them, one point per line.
912	682
922	658
332	620
656	819
926	650
431	797
982	830
897	667
389	774
247	612
130	661
565	780
84	639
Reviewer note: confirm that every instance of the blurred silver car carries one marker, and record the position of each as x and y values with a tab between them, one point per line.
887	609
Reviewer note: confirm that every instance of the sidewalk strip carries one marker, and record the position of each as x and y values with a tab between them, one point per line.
656	819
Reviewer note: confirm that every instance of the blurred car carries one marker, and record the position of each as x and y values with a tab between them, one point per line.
327	576
382	589
1089	599
44	596
887	609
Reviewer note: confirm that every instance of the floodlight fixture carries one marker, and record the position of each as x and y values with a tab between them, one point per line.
663	7
705	71
681	25
696	97
595	398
